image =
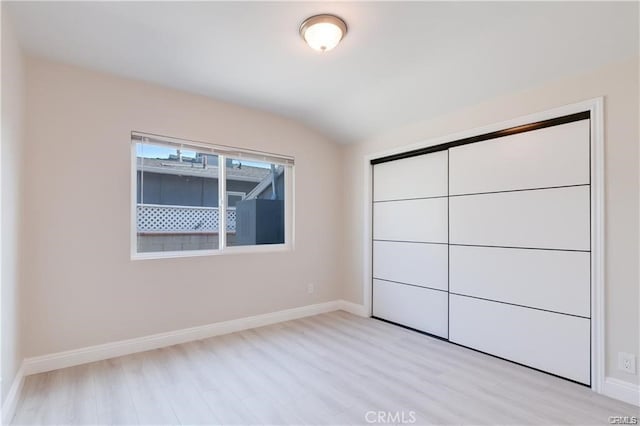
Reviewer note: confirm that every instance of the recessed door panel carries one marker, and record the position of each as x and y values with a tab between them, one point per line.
411	306
411	220
553	156
415	177
545	279
556	343
556	218
419	264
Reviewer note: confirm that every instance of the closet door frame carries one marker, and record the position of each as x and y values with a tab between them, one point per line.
595	107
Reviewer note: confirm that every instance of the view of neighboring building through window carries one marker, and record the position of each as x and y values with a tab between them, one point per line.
260	214
178	202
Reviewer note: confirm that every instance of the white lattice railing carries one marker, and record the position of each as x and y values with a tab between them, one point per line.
182	219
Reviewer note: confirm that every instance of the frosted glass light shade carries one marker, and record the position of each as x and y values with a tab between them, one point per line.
323	32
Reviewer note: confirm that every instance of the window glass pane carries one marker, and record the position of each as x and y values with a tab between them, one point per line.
257	217
177	199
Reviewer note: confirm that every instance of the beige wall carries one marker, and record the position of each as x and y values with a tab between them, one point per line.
81	287
10	153
619	84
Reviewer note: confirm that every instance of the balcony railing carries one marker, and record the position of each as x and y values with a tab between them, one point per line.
157	218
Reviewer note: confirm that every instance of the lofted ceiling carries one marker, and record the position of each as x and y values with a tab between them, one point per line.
400	61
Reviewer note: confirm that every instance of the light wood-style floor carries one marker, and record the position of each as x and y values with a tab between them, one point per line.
328	369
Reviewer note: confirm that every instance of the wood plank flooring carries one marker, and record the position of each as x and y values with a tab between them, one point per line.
330	369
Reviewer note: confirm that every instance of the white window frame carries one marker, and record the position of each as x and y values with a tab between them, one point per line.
222	249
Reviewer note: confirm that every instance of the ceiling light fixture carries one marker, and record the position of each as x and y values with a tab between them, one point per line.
323	32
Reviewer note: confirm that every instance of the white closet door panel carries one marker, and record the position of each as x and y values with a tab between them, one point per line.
412	263
554	156
415	307
545	279
556	343
550	218
411	220
415	177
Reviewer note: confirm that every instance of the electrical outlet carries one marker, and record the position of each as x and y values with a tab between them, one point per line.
311	287
627	362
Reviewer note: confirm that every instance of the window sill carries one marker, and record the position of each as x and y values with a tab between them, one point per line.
267	248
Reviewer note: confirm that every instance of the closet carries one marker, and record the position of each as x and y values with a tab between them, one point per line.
485	242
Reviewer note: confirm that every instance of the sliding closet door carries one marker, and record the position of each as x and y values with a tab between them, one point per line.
520	248
410	235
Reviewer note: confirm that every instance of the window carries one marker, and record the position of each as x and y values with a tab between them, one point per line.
233	197
178	209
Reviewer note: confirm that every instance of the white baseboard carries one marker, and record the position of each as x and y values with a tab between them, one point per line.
352	308
88	354
621	390
11	400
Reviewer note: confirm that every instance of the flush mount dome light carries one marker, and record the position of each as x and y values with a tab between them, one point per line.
323	32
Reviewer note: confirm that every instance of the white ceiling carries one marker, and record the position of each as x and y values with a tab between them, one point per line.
400	62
